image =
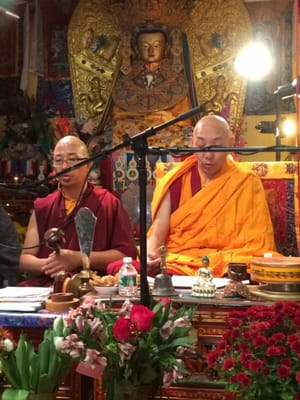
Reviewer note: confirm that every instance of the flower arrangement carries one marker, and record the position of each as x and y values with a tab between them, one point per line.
259	355
28	371
135	345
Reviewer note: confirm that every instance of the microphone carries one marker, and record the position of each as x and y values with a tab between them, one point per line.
39	190
152	130
190	113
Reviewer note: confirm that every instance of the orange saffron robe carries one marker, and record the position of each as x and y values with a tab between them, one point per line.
228	220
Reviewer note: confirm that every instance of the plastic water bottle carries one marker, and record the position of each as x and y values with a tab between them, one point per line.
128	279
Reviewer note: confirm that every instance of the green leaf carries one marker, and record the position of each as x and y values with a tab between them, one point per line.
35	372
44	355
9	368
13	394
24	353
46	385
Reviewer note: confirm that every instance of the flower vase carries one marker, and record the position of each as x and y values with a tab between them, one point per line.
143	392
22	394
42	396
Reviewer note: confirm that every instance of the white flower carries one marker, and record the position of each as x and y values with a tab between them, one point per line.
58	343
8	345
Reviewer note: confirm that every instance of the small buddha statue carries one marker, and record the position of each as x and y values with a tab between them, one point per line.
204	287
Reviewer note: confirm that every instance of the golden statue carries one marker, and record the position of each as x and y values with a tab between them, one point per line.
138	63
152	87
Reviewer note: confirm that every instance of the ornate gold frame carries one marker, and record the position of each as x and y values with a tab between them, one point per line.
215	31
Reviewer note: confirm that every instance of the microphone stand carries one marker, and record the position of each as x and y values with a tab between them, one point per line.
139	145
140	148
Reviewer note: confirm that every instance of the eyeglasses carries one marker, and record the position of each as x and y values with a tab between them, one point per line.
70	161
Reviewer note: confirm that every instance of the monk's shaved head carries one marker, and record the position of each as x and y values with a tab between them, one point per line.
73	145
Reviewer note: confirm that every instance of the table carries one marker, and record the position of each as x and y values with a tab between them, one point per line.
209	323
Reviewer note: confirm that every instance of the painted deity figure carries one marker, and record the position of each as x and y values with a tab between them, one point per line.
152	86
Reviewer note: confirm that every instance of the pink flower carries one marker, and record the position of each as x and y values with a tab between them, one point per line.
182	322
171	376
126	350
126	308
93	357
166	330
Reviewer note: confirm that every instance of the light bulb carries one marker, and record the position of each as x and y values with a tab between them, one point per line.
254	61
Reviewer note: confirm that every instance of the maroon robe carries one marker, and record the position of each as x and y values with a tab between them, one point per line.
112	230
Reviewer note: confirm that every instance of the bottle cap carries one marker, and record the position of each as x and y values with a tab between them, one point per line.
127	259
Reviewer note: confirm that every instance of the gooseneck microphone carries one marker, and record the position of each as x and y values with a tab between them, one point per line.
152	130
36	189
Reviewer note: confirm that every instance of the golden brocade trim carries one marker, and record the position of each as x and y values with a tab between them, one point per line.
173	13
280	275
212	332
193	393
211	317
271	169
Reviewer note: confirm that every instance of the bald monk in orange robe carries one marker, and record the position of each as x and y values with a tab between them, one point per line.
208	206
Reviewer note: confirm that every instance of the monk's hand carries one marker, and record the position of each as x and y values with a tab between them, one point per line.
65	260
153	263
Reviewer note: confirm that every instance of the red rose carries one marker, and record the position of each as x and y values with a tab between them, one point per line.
142	317
122	329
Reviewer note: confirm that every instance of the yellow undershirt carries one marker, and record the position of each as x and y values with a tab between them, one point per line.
69	203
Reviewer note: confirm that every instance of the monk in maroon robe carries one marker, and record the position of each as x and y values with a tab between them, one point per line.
112	240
